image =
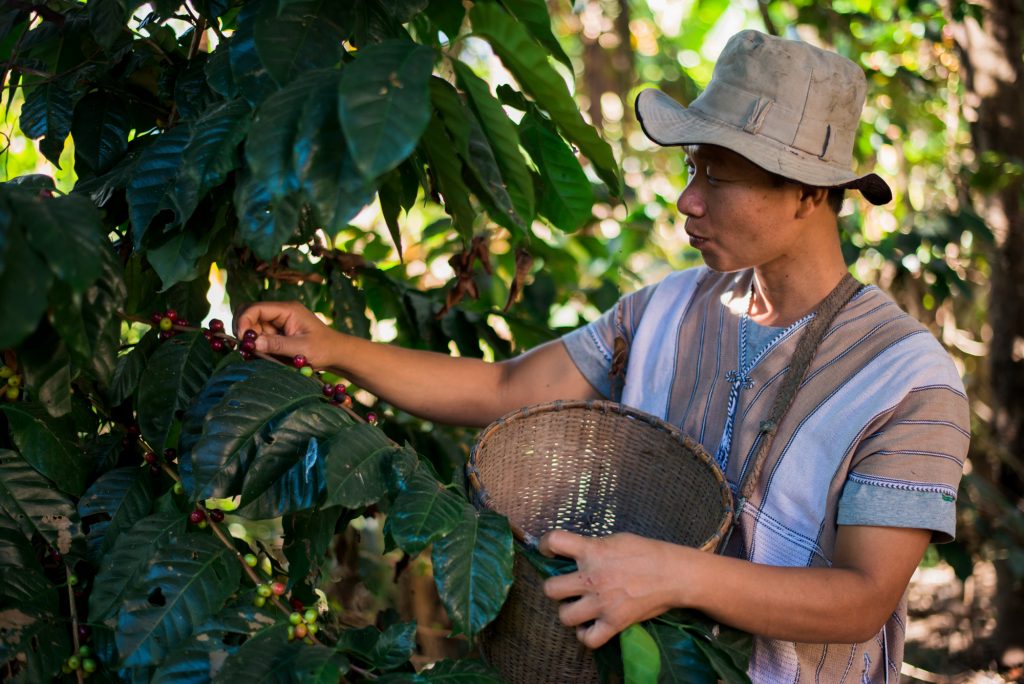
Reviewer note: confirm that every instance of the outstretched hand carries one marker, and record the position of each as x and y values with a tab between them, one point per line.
288	329
621	579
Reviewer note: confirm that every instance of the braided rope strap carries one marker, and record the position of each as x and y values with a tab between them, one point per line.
806	348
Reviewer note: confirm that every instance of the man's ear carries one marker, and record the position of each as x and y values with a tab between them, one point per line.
812	198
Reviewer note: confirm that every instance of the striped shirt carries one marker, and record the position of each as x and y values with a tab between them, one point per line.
877	434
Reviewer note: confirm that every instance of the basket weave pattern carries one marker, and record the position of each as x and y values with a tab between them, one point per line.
593	468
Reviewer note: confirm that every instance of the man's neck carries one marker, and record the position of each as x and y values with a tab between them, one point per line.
783	293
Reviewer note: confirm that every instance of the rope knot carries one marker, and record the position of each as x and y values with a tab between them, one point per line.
768	427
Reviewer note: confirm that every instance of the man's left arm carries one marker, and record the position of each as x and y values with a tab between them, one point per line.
624	579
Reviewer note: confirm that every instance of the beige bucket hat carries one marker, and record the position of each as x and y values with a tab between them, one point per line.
789	107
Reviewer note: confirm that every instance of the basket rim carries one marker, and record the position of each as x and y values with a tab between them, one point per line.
482	500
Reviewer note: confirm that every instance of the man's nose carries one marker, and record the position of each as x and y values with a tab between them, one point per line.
690	203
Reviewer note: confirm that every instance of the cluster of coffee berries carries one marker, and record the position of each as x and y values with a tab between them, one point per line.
303	625
338	395
82	660
247	347
11	383
166	321
219	342
302	364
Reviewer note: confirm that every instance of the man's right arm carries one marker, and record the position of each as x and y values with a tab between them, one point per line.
433	386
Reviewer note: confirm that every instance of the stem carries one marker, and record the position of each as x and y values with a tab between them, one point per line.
219	533
74	620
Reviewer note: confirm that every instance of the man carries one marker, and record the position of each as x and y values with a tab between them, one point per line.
863	471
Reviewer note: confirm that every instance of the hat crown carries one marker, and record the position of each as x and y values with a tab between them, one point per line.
797	94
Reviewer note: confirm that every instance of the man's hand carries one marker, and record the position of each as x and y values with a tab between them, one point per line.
620	581
288	329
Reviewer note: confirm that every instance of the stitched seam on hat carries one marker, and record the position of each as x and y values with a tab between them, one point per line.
803	110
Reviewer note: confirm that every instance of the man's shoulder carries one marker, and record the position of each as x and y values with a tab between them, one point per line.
876	324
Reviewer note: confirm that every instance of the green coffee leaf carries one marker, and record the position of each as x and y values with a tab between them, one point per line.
473	569
383	103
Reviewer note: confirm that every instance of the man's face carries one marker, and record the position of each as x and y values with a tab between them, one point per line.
737	215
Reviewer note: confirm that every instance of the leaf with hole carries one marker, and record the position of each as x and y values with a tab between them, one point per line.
33	504
188	579
113	504
128	559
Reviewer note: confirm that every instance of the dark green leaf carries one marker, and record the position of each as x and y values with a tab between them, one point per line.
300	488
128	559
682	661
423	512
233	430
286	441
447	15
35	506
529	65
389	194
47	369
153	178
325	165
202	406
218	72
24	283
641	660
38	643
113	504
272	140
566	199
47	443
349	307
307	536
107	20
22	582
473	569
102	304
296	40
476	153
382	650
176	372
188	580
129	370
100	127
504	139
176	259
247	70
211	153
454	672
535	17
269	658
384	105
547	567
357	463
265	224
447	170
71	222
46	114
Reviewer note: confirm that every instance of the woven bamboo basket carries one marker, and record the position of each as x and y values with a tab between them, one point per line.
593	468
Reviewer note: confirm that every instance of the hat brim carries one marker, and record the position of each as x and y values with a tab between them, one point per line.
669	123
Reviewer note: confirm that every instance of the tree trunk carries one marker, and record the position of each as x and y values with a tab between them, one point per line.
991	53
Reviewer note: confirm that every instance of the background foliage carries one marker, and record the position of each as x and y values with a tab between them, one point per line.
407	170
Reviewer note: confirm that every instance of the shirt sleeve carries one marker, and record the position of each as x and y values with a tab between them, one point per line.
591	346
906	473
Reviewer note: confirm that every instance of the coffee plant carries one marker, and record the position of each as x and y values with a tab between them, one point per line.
139	448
